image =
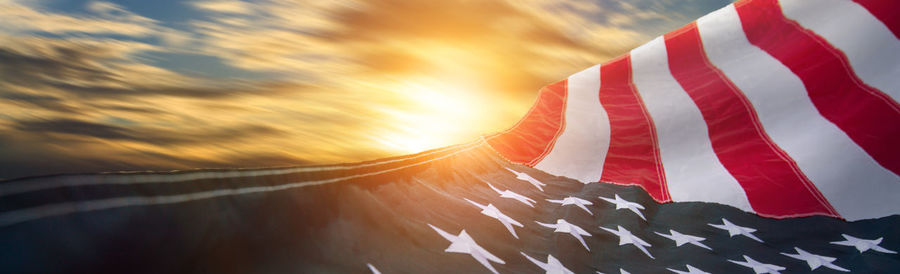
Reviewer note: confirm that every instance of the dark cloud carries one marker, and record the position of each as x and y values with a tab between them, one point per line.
128	109
48	102
65	63
163	137
96	71
24	157
41	147
140	90
75	127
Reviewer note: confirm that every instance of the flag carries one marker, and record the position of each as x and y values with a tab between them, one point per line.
759	139
783	109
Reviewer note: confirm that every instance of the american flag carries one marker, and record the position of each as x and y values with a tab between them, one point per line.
761	138
779	108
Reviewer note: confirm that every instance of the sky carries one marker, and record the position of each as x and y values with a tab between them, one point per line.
133	85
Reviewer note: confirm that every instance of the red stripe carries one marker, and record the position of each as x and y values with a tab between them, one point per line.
559	130
867	115
887	11
532	137
633	156
774	184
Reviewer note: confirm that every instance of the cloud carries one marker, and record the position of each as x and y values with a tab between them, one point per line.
21	18
332	81
28	17
47	102
75	127
493	55
224	6
156	136
32	157
92	104
101	68
512	47
347	38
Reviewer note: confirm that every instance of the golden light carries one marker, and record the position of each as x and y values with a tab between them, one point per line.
436	113
454	94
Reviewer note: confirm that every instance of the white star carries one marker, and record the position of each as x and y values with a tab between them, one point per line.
495	213
625	237
862	244
681	239
512	195
525	177
573	201
691	270
565	227
462	243
814	261
621	271
758	267
622	203
736	230
373	269
553	266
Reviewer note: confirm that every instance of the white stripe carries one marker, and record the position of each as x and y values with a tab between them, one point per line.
579	152
856	185
35	213
871	48
37	184
693	171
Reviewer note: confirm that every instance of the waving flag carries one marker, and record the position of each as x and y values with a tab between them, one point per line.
761	138
783	109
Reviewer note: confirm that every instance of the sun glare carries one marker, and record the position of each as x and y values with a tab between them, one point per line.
436	113
451	97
